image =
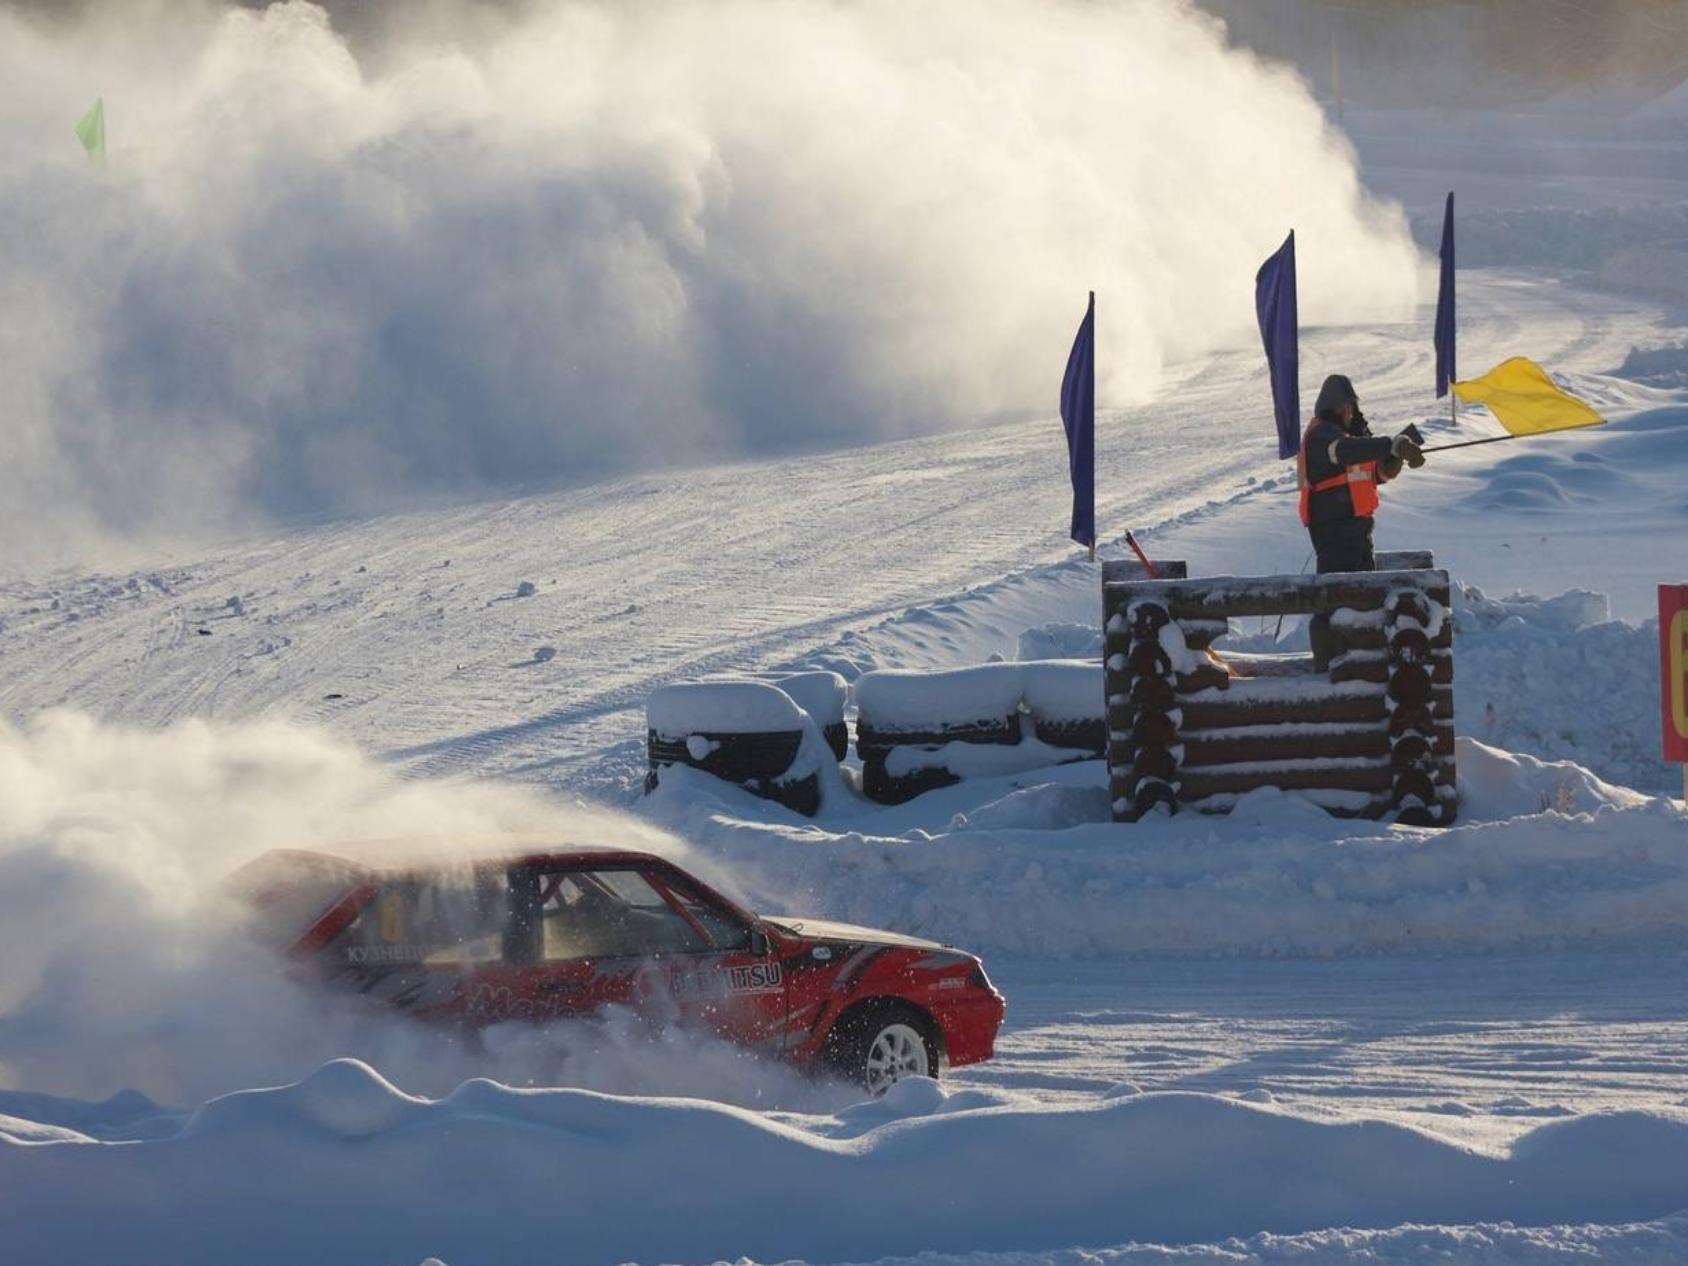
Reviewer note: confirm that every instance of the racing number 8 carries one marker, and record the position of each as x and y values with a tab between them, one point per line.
1679	673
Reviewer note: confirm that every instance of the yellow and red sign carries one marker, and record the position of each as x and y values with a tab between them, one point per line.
1673	663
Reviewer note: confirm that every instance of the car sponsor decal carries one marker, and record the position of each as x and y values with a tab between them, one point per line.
856	964
500	1002
382	955
747	979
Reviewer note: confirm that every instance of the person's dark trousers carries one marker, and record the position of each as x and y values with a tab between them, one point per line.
1340	545
1343	545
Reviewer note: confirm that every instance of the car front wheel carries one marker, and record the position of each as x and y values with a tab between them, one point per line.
877	1048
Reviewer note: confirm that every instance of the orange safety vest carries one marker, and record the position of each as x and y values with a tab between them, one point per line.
1361	481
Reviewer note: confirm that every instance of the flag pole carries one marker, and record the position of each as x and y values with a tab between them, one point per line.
1093	430
1496	439
1493	439
1154	573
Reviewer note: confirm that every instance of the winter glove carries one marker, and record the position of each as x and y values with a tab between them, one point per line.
1407	449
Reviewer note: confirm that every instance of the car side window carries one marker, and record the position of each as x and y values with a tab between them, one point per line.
726	931
438	921
612	913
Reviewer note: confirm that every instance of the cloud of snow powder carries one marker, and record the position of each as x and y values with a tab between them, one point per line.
547	240
123	965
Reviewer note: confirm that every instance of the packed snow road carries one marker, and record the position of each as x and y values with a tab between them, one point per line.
1479	1049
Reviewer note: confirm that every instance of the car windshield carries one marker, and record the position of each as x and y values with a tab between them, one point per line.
617	912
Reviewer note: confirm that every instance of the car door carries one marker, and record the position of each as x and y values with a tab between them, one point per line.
584	937
727	981
422	942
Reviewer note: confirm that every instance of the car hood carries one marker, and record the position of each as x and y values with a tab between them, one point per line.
826	930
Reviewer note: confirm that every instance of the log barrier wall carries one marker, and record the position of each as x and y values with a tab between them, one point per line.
1371	737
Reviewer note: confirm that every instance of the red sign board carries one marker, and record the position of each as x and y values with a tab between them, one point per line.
1673	663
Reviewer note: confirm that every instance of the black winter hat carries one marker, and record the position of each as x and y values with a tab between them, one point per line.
1336	392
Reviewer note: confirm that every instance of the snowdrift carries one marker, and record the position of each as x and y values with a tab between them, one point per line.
344	1167
1031	864
1556	677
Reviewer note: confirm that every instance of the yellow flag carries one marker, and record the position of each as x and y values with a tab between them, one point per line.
1524	400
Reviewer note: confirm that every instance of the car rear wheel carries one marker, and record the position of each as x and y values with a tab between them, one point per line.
877	1047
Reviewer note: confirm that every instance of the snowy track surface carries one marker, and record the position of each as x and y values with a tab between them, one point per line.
1478	1049
405	633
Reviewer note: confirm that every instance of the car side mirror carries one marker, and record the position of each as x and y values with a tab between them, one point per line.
760	944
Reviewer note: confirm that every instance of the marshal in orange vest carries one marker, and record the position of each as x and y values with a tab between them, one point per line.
1361	481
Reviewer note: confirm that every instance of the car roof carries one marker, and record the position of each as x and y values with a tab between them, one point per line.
375	858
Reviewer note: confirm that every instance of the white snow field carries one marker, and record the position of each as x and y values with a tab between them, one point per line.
1273	1037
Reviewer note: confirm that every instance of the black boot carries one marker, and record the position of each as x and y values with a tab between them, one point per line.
1324	645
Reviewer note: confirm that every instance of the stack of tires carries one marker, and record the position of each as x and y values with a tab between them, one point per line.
1066	701
907	722
747	732
823	696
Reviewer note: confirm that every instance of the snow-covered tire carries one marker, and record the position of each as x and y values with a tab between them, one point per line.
875	746
757	762
1088	738
837	736
876	1045
879	786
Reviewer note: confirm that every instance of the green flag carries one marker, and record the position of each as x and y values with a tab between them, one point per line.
91	131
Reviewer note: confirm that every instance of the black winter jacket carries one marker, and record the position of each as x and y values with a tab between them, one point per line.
1328	449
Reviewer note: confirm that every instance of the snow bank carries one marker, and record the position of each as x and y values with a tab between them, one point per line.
1664	367
342	1167
721	707
1655	1243
1060	640
1495	785
1030	864
1556	678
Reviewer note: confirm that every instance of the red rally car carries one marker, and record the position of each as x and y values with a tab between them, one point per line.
549	935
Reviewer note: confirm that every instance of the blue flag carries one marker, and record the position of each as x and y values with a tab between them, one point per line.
1274	305
1445	372
1078	415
